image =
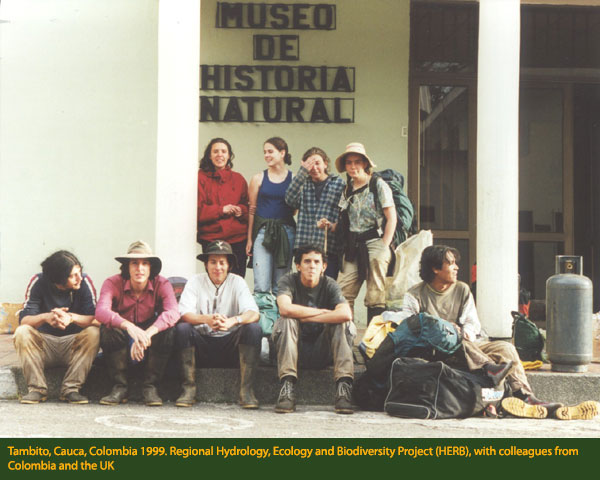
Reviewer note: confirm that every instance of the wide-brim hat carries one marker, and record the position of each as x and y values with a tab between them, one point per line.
354	147
140	249
219	247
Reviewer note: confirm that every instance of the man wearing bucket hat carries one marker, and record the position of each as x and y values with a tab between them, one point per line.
365	229
137	309
219	326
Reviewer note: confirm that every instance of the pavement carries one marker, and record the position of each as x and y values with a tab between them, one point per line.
225	420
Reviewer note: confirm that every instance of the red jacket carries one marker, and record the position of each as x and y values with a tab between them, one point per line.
215	190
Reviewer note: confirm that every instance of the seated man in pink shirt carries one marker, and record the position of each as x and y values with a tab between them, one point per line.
137	309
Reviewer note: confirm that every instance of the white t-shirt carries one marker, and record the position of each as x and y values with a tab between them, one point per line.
231	298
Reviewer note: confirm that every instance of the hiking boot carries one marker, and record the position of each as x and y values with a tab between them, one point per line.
518	408
343	398
551	407
249	356
286	403
33	397
187	358
75	398
584	411
150	396
497	371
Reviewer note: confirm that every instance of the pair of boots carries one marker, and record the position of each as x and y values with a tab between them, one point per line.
117	367
248	362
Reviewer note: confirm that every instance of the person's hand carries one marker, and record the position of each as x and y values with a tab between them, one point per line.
216	322
137	352
309	163
249	248
324	223
62	317
227	323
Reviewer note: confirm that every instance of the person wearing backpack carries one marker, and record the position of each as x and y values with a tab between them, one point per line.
365	230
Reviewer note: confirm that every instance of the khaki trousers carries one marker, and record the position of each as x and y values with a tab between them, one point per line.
379	260
332	346
39	350
479	353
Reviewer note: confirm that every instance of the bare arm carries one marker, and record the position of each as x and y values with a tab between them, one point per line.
390	225
255	183
36	320
340	314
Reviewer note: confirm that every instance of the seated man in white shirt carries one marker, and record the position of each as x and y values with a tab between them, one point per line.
219	324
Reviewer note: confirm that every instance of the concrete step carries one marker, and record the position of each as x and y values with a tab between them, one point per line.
315	387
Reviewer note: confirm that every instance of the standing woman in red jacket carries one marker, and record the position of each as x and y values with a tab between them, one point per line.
222	202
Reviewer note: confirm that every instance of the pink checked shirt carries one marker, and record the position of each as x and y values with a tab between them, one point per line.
118	303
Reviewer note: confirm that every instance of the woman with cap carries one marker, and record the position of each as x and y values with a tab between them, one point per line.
316	193
219	325
222	202
365	230
137	309
271	226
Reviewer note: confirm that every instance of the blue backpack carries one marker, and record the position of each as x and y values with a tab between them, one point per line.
405	211
425	332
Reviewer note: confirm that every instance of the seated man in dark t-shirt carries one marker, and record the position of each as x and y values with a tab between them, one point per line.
315	329
57	327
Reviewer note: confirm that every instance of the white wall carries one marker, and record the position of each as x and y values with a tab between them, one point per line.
372	36
78	121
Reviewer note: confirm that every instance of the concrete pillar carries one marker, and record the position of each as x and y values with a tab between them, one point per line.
177	137
498	164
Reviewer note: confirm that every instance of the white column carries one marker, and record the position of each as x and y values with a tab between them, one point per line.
498	164
177	137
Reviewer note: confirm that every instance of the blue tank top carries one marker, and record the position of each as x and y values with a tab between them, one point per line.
271	198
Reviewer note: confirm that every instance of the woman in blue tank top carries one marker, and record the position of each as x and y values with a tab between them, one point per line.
271	225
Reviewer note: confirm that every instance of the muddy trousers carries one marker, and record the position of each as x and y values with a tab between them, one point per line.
332	347
37	351
479	353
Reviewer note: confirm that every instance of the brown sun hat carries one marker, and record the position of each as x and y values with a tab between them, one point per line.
140	249
219	247
354	147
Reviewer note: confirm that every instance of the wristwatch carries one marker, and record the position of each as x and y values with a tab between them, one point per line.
239	320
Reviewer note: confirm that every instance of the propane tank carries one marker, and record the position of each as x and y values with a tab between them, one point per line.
569	313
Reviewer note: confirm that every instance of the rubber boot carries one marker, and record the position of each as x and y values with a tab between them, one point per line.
249	356
187	358
117	369
373	312
155	366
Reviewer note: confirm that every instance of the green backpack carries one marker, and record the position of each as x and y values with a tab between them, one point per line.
527	338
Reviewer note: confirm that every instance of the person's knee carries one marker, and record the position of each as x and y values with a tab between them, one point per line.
23	335
251	334
163	341
184	333
88	338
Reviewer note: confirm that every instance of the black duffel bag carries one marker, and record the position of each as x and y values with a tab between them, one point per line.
421	389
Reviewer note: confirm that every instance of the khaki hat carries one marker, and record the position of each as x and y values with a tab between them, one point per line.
140	249
219	247
354	147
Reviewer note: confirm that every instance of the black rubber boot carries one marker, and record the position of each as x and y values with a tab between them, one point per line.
117	369
187	358
155	366
249	356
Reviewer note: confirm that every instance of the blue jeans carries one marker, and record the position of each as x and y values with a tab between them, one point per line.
266	275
